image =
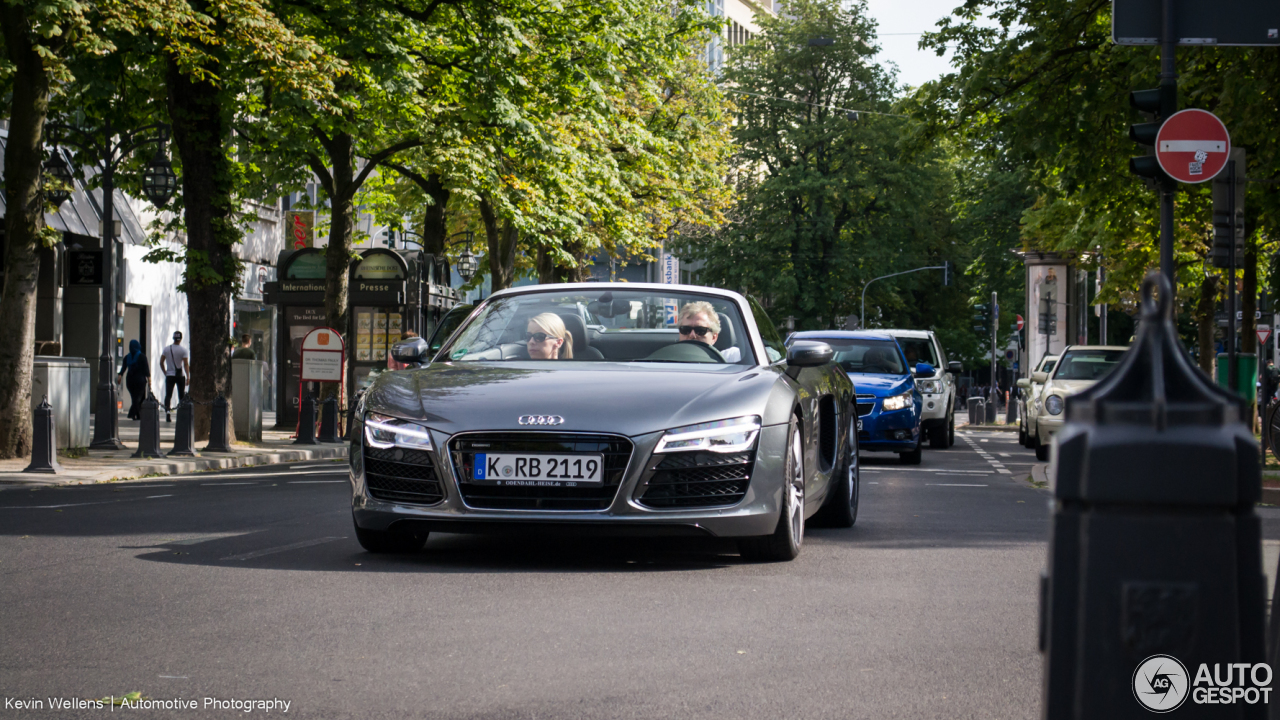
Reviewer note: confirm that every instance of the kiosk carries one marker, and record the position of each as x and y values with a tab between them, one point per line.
299	295
379	313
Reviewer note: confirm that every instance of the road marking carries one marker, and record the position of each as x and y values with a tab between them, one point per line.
872	483
1005	455
139	487
953	485
999	467
985	440
174	677
282	548
152	497
313	482
221	484
927	470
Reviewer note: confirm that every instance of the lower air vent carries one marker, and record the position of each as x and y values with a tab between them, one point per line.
698	479
404	476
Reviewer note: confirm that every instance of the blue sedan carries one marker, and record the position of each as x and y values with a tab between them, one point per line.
889	405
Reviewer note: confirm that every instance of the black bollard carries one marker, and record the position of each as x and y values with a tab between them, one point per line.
44	440
184	432
307	422
1011	412
149	429
218	441
1155	568
329	421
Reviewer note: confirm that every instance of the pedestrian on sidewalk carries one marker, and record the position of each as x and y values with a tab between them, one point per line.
175	361
136	371
245	351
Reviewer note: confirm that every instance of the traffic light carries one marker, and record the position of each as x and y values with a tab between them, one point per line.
980	318
1224	233
1156	104
948	270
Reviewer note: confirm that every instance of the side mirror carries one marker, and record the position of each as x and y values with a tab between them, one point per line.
924	370
1040	378
411	351
807	353
955	366
1024	383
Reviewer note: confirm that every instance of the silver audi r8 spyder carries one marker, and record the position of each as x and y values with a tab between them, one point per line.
608	408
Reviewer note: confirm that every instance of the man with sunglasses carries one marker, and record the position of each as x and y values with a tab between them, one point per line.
699	321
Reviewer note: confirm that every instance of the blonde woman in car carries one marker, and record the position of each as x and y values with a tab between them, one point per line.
546	338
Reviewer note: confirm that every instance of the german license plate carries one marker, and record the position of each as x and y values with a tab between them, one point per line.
538	470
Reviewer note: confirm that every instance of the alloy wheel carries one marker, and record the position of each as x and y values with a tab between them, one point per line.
795	491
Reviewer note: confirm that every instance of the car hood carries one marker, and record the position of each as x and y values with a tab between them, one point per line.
1068	387
881	385
626	398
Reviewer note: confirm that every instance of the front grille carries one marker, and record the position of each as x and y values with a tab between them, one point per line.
616	452
698	479
866	403
400	475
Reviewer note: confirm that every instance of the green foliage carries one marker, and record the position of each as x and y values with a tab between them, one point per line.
827	202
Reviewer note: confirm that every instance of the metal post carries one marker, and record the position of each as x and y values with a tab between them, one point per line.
1168	106
106	425
307	422
1232	370
184	443
1102	309
149	429
218	440
994	404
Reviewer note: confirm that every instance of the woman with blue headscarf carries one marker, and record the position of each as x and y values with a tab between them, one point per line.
136	372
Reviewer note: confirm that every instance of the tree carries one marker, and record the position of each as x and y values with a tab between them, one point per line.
828	199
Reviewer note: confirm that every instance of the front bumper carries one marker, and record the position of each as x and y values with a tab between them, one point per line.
1047	426
894	431
934	410
755	514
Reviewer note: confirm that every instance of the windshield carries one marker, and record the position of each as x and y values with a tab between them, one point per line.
448	324
874	357
1087	364
1047	365
918	350
605	326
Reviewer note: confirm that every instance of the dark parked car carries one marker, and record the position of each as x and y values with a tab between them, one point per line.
649	422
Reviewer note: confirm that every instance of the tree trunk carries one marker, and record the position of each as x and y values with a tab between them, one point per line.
1205	322
199	135
24	228
435	226
502	237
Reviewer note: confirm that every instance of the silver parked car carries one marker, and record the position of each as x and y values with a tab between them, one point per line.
1028	393
652	422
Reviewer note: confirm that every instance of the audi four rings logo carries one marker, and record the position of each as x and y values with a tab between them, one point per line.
541	420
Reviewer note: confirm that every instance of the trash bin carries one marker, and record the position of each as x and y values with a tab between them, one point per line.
1246	377
246	398
65	380
977	411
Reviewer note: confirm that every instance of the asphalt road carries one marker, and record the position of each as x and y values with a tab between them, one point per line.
250	585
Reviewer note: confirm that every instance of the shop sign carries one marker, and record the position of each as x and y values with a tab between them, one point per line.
302	225
323	351
84	268
380	266
301	286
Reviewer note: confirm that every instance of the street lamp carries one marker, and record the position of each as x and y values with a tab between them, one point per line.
108	149
58	170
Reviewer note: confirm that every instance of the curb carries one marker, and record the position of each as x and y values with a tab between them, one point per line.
162	467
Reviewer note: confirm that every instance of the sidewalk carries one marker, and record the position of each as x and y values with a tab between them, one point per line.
107	466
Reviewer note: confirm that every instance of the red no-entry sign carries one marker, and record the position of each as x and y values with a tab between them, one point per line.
1020	322
1193	146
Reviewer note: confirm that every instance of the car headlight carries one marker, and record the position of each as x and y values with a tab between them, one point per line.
1053	404
384	431
898	402
931	387
721	436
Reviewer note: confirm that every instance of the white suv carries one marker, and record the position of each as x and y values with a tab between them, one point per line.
938	415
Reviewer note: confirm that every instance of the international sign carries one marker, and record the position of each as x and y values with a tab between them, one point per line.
323	350
1193	146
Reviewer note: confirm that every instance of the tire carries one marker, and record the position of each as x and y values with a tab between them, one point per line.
840	510
384	542
938	437
784	544
1022	432
951	430
1042	450
913	457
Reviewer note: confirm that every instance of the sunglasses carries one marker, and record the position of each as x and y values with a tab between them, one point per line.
691	329
537	337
